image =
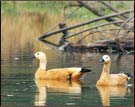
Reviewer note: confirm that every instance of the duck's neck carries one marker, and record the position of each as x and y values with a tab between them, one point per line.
105	71
42	64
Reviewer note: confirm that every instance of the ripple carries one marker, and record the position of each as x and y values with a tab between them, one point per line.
10	95
70	104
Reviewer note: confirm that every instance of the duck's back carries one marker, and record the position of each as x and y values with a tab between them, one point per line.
119	79
52	74
72	73
60	73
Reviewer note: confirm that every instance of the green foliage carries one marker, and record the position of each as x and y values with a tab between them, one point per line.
57	7
30	6
7	7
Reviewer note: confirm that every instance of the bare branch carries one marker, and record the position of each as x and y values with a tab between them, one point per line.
113	9
82	24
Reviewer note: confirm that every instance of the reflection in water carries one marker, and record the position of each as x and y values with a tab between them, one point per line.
55	86
111	91
40	99
118	62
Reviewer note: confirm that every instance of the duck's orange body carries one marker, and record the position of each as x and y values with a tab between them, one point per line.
58	74
114	79
111	79
73	73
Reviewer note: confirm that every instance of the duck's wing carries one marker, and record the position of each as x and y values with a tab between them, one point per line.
67	73
71	69
119	78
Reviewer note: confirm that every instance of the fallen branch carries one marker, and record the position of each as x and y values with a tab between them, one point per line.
113	9
126	21
105	24
81	24
95	31
99	13
103	45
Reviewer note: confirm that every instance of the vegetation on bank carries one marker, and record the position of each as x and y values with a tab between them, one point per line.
57	7
30	19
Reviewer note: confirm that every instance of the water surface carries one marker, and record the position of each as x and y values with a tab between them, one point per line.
19	88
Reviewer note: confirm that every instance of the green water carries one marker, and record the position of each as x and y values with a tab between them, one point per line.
18	87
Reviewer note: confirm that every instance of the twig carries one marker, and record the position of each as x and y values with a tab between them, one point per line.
105	24
113	9
63	20
97	12
82	24
95	31
126	21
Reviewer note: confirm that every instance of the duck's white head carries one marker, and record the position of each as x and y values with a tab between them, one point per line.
40	55
42	59
105	59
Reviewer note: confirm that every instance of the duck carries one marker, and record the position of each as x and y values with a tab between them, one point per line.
107	79
71	73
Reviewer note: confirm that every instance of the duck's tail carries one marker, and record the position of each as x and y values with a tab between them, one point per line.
84	69
129	75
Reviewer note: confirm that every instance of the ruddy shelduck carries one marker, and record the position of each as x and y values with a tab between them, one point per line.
108	79
73	73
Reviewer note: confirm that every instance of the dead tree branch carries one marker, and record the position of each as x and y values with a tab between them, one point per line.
95	31
99	13
82	24
105	24
126	21
113	9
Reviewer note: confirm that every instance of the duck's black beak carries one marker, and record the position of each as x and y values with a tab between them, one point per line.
33	57
102	60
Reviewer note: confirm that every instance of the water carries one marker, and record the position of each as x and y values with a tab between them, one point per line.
19	88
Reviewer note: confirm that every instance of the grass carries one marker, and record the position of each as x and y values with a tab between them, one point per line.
56	7
11	7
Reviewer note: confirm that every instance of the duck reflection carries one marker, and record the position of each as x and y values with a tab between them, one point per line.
111	91
55	86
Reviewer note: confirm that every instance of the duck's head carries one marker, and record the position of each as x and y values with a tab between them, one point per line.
105	59
40	56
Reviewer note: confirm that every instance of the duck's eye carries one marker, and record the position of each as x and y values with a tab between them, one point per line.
37	53
106	57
